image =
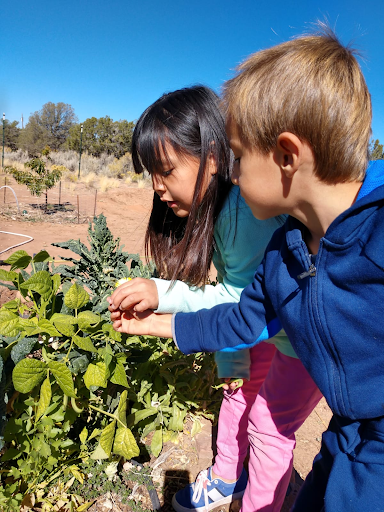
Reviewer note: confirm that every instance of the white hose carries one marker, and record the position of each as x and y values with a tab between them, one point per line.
16	234
16	245
17	202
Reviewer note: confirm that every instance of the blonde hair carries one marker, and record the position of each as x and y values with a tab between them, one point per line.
313	87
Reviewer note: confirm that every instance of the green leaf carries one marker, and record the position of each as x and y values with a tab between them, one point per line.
41	256
95	433
119	376
64	323
125	443
77	474
28	325
122	407
177	420
56	280
63	376
27	374
87	319
9	323
106	438
76	297
44	325
99	453
83	435
114	335
96	375
45	398
19	259
157	442
196	427
144	413
41	282
12	305
84	343
5	275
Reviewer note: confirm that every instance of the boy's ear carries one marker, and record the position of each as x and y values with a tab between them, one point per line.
288	153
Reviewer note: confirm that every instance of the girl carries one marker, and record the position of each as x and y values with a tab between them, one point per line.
197	217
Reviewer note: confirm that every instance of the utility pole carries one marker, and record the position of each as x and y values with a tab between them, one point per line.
81	143
2	159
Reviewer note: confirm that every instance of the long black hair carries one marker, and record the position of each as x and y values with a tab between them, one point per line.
189	120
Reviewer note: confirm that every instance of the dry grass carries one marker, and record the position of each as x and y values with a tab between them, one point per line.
142	184
13	163
90	180
106	183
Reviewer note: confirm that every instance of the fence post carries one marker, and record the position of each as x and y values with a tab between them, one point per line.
59	193
78	211
5	188
94	210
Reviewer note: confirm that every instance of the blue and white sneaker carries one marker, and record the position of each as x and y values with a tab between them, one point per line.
206	494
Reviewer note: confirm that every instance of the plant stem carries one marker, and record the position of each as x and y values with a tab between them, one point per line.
107	413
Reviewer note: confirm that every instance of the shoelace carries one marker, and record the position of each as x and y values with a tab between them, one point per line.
199	486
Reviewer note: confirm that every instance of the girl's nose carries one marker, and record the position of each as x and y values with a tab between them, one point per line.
157	183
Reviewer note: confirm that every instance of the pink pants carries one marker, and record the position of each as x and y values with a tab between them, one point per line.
269	408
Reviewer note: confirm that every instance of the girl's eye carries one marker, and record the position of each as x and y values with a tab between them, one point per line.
237	160
166	173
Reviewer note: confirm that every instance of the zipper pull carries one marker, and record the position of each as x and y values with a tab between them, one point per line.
311	272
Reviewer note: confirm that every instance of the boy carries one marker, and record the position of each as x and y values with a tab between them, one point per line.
299	118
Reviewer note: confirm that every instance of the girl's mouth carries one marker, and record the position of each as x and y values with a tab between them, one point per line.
171	204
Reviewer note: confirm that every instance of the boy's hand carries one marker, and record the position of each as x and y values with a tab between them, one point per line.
143	323
138	294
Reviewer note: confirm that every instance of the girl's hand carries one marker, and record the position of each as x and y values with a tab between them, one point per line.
145	323
138	294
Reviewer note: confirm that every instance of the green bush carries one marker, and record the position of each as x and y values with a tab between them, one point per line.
72	388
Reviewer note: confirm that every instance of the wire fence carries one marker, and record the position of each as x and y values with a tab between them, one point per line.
66	201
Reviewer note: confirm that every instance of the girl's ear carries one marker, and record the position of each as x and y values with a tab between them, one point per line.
288	153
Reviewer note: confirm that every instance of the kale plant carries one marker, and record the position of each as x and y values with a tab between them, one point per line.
102	264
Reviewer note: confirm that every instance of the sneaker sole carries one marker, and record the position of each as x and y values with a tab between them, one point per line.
179	508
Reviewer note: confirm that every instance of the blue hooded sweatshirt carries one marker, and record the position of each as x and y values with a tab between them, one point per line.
332	309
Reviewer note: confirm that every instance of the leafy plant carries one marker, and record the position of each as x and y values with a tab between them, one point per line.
73	389
102	264
39	178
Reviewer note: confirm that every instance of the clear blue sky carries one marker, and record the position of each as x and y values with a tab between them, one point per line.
115	57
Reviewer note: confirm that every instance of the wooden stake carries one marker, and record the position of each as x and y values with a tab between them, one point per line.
78	211
94	210
59	193
5	187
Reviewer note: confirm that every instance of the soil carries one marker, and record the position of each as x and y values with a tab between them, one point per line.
127	210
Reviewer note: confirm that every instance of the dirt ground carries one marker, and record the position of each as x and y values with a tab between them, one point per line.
127	210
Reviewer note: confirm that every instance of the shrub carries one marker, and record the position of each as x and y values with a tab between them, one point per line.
60	168
72	388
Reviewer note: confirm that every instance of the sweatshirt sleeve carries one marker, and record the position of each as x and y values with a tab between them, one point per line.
229	326
181	297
